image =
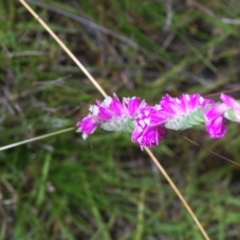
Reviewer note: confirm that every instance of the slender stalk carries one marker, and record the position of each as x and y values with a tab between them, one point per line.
104	94
174	187
213	153
64	47
36	138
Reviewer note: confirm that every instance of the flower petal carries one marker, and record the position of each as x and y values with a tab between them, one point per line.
217	127
87	125
215	122
149	137
229	101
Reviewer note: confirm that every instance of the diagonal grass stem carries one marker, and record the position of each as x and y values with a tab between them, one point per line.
64	47
36	138
174	187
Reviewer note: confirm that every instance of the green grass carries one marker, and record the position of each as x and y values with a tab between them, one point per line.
105	187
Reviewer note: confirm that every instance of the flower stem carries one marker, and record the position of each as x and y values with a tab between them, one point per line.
64	47
162	170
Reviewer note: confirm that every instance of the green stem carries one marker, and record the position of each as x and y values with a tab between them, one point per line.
36	138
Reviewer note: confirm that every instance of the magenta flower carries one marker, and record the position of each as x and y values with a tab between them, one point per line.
119	116
114	108
112	115
174	107
185	112
88	125
215	121
147	123
148	137
149	130
233	111
110	108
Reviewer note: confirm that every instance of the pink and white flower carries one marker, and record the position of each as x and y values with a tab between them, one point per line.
184	112
112	115
174	107
149	130
147	123
89	124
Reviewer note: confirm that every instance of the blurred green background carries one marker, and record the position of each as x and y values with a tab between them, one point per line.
105	187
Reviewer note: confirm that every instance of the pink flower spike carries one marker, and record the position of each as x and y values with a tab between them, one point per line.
87	126
184	112
215	122
112	115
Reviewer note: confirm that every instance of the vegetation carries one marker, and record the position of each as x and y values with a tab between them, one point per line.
105	187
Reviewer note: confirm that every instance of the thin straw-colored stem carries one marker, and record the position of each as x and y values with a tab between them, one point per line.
162	170
36	138
99	88
104	94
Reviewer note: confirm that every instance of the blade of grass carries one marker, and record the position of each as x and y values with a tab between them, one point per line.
95	211
43	180
140	216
